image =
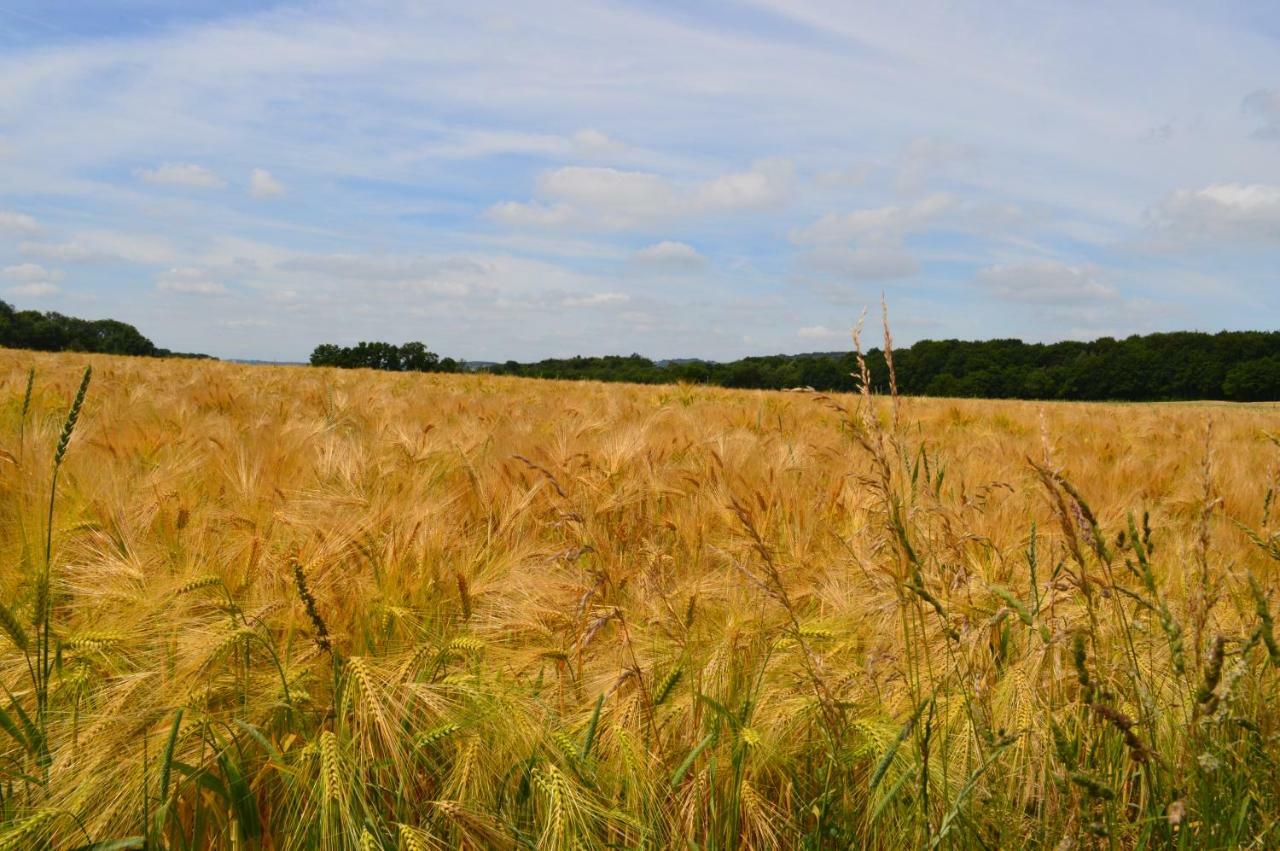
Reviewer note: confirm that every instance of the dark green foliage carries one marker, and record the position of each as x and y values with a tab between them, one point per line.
1237	365
53	332
411	357
1253	381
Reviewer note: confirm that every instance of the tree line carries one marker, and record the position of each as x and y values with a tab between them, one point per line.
409	357
1233	365
55	332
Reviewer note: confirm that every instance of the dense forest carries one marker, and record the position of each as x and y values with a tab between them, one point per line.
54	332
1242	366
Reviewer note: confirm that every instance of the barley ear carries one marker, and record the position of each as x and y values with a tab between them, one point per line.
73	415
309	602
13	628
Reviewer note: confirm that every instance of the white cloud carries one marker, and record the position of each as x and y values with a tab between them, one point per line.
587	144
875	261
31	273
670	255
33	280
263	185
181	174
818	332
1055	113
595	197
65	252
189	280
1223	211
532	213
38	289
592	141
878	222
191	287
103	247
595	300
17	222
1045	282
765	185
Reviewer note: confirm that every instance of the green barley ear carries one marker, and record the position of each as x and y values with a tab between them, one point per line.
69	426
1092	786
1212	674
26	398
13	628
1082	669
1266	625
667	685
309	603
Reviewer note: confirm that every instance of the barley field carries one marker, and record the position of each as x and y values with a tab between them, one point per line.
277	607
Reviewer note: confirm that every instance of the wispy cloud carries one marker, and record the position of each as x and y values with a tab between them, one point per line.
181	174
189	281
511	180
17	223
1046	282
1223	211
592	197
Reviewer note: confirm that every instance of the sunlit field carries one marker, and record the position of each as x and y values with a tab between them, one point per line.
310	608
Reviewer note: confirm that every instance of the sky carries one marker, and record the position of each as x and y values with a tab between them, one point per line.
689	179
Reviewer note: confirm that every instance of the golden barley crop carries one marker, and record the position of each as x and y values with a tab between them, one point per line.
294	608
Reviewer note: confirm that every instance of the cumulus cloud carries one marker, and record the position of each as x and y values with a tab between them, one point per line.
181	174
765	185
189	280
17	222
867	244
263	185
670	255
595	197
32	280
1223	211
1045	282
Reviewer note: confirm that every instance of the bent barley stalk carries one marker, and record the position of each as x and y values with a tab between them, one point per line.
299	609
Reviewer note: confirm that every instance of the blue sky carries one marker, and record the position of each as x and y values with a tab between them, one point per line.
685	179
